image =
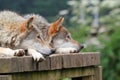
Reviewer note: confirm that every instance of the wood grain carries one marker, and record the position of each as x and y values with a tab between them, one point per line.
78	66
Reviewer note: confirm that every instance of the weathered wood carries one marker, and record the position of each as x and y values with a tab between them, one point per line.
72	60
77	72
56	62
81	59
78	66
98	73
5	77
51	63
5	65
91	59
52	74
44	65
42	75
17	64
87	78
22	64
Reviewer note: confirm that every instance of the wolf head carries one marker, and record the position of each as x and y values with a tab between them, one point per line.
61	38
56	35
32	38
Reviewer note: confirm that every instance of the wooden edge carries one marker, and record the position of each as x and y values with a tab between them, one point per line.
17	64
55	61
5	77
51	75
81	60
44	65
98	73
77	72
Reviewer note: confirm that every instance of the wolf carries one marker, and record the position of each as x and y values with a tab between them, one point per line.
56	35
18	34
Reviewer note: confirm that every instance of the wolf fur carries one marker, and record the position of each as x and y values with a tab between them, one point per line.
18	33
42	25
56	34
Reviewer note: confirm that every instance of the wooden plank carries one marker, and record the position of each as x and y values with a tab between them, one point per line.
98	73
87	78
53	74
51	63
22	64
86	73
40	75
72	60
55	62
91	59
29	64
5	65
16	64
77	72
5	77
44	65
81	59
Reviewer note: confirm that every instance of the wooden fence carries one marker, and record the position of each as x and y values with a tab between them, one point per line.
77	66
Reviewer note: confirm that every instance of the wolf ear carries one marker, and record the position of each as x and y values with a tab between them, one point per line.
29	23
26	25
55	26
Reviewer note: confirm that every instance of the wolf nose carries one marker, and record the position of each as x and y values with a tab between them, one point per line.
81	47
52	50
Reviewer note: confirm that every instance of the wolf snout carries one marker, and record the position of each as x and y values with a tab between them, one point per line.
52	51
81	47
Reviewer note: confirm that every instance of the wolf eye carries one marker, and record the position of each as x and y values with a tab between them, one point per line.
68	37
38	36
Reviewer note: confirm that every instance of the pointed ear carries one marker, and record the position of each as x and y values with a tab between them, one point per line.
29	23
26	25
55	26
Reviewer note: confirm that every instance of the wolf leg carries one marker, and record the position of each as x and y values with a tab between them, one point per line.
36	55
10	52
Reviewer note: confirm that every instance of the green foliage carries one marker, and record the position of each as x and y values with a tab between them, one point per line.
79	33
110	49
110	56
110	52
46	8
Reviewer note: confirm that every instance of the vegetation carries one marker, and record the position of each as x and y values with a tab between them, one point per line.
103	37
46	8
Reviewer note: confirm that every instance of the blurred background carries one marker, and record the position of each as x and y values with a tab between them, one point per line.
96	23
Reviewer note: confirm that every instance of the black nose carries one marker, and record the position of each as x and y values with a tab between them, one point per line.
81	47
52	51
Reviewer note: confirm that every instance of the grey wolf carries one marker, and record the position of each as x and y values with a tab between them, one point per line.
18	34
56	35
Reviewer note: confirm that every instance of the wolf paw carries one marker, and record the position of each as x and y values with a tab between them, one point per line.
38	57
19	52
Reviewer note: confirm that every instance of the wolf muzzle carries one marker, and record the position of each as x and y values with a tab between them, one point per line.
80	47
